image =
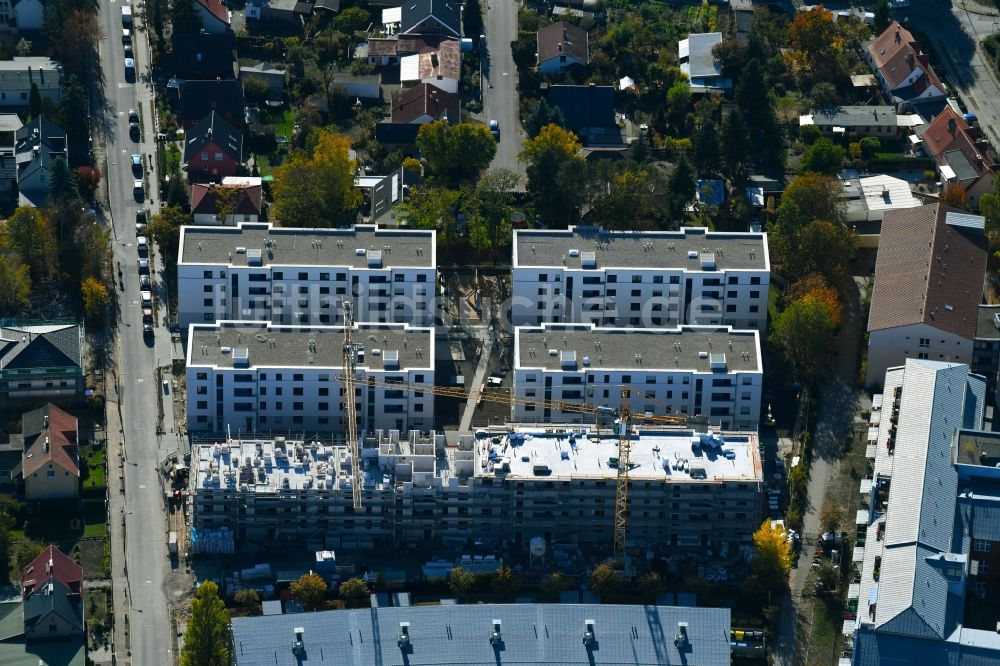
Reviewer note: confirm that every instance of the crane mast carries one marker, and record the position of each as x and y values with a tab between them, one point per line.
350	355
621	485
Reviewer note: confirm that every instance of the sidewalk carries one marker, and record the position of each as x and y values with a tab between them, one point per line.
121	643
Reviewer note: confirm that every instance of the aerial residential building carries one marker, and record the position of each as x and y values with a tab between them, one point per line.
195	100
699	63
689	491
269	74
441	67
51	464
301	276
574	635
242	197
51	594
589	112
562	45
929	275
868	199
17	76
710	371
41	362
962	157
640	278
260	377
213	149
205	55
986	348
39	144
382	193
426	103
10	123
854	121
431	17
928	539
903	70
214	15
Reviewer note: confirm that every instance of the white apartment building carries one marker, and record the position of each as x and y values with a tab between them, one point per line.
301	276
710	371
249	377
689	491
640	278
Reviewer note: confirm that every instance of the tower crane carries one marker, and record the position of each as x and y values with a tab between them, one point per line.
624	416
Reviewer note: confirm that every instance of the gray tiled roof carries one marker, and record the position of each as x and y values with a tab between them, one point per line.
531	634
39	346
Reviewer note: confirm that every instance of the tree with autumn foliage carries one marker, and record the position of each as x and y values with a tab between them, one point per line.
809	197
317	189
824	248
815	288
87	178
803	333
455	153
555	173
95	297
817	47
955	197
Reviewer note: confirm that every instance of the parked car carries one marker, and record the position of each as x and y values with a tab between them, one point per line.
140	222
146	297
147	315
133	131
144	282
137	165
137	186
133	116
495	129
126	36
128	51
129	66
143	265
147	330
142	245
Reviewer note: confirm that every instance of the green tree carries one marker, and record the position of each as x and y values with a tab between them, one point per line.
206	641
682	184
707	152
807	198
355	18
489	209
542	114
882	16
735	138
309	590
605	579
553	585
629	199
62	183
803	333
652	583
989	207
15	286
34	101
95	298
556	173
184	18
248	601
955	197
318	190
27	551
824	156
678	96
165	230
505	582
432	208
814	38
455	153
772	549
823	248
30	235
460	581
353	588
869	146
831	515
23	48
472	19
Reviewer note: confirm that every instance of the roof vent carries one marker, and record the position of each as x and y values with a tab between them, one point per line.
588	259
708	261
567	359
241	250
360	252
403	640
254	257
703	354
241	357
681	639
692	254
589	640
390	357
298	649
375	259
717	361
574	253
495	639
949	307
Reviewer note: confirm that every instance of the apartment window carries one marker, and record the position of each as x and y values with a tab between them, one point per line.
324	406
922	355
218	157
754	308
636	279
202	390
297	390
612	278
323	391
204	156
201	375
755	280
925	343
324	277
207	275
730	308
279	275
297	406
754	294
543	277
279	405
983	546
297	377
984	565
636	292
635	307
733	280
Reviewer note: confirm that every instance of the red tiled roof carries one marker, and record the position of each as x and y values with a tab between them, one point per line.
52	563
949	131
563	39
928	271
53	440
896	54
446	62
216	9
425	99
248	199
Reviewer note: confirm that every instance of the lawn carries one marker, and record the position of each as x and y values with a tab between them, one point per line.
173	157
92	470
96	605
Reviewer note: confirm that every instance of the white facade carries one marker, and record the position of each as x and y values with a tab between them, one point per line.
251	377
892	347
647	278
710	371
17	75
302	276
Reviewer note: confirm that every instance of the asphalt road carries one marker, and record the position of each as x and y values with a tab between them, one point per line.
145	562
500	90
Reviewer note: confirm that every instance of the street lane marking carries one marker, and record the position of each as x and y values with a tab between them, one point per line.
139	381
142	486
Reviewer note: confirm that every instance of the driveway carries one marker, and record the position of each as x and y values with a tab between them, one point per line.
500	101
139	558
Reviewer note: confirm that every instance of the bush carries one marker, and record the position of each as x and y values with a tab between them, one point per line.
809	134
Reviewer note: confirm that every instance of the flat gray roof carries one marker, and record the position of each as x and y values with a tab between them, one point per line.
287	246
702	60
856	116
22	63
986	327
648	349
682	249
270	345
978	447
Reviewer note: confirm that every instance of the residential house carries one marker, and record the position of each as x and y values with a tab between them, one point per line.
854	121
930	549
710	371
640	279
359	86
214	15
442	68
10	123
206	55
301	276
431	17
244	197
51	588
904	71
382	193
332	6
387	50
962	157
196	99
699	64
589	112
286	13
426	103
41	361
51	564
986	349
562	45
51	464
296	380
39	144
28	15
17	76
929	275
868	199
213	149
272	76
635	631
